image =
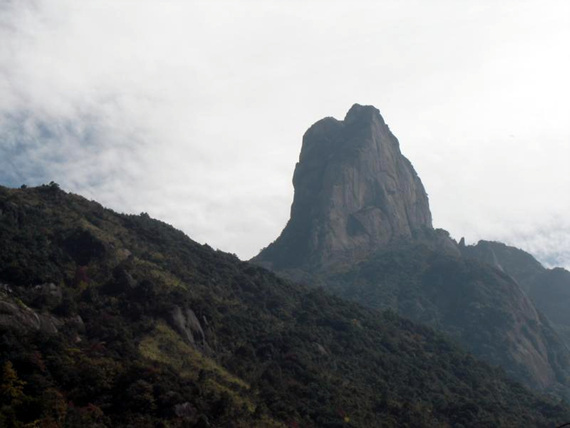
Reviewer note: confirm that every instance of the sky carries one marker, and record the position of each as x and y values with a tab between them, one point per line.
194	111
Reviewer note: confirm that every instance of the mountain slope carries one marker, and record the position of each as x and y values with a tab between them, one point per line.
549	289
361	227
480	307
114	320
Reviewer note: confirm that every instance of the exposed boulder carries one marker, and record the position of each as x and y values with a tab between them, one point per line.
14	315
47	294
188	326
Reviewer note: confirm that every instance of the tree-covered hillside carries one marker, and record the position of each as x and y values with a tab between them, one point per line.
480	307
117	320
549	289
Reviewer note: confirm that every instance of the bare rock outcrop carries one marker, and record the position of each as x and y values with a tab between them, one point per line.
14	315
361	227
184	320
354	191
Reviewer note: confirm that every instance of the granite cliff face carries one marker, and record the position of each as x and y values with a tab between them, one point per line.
361	227
354	191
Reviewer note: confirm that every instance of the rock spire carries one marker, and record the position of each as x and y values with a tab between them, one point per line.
354	192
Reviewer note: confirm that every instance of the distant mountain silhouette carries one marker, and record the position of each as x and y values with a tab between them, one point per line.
549	289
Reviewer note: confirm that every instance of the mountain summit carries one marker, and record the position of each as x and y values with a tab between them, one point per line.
361	227
354	191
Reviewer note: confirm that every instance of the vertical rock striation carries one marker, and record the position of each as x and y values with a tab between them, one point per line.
354	191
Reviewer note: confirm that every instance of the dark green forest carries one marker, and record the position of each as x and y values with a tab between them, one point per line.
123	321
479	306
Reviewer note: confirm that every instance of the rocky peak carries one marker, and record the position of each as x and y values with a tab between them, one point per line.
359	113
513	261
354	192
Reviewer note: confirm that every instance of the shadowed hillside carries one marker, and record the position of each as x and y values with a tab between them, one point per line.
360	226
549	289
116	320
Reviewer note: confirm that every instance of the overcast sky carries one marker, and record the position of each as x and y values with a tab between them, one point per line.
194	111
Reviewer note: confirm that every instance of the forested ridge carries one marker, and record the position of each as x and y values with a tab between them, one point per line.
120	320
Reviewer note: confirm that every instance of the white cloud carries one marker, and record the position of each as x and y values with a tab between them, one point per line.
194	111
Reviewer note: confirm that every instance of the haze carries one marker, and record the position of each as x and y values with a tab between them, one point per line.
194	111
